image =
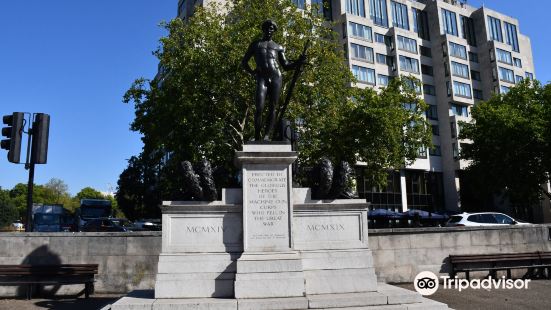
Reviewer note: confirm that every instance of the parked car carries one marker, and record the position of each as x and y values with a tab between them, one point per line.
17	226
148	224
482	219
107	225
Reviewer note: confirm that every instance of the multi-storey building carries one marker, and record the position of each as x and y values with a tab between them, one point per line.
461	54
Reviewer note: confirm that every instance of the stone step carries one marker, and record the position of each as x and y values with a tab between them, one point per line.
425	304
386	297
297	303
292	303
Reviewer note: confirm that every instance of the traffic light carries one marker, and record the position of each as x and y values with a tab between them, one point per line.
41	128
13	132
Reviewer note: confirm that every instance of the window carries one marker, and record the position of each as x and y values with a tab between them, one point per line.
383	80
457	50
475	75
425	51
504	89
482	218
511	36
460	70
378	12
399	15
427	70
422	152
435	151
355	7
477	94
448	88
449	22
364	75
518	79
421	24
386	60
459	110
381	58
435	130
361	52
462	89
360	31
415	86
429	90
407	44
432	112
503	219
410	106
504	56
506	75
473	57
494	26
455	150
467	30
409	64
453	129
530	76
518	62
322	8
181	9
299	4
387	40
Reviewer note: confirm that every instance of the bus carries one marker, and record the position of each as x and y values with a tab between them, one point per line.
92	209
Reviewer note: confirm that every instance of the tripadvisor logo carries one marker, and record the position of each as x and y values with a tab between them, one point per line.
426	283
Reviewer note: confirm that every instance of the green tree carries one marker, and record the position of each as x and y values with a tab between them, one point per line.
58	188
8	211
89	193
511	144
137	193
201	104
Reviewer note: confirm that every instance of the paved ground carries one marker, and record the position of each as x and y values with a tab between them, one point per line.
537	297
95	302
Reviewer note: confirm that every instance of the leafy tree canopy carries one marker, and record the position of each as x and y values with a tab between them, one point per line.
201	104
511	142
54	191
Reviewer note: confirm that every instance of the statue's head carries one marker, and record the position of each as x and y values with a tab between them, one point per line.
269	27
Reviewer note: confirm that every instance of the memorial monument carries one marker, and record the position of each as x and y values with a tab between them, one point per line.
268	245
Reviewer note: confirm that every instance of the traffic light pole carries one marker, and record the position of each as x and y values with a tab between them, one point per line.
28	227
29	165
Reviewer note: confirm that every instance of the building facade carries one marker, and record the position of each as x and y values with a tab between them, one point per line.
461	54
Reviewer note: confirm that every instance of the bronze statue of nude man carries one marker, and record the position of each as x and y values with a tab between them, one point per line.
269	80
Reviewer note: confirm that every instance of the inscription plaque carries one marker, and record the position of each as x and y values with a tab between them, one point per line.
267	210
216	232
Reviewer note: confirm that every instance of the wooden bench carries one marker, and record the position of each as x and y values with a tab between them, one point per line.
30	275
501	261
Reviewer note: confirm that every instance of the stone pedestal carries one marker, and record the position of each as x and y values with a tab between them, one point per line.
200	244
269	246
268	267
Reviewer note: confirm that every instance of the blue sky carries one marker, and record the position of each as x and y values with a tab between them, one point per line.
75	59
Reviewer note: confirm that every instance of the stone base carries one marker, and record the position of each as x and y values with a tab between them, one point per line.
338	271
269	275
195	275
386	297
